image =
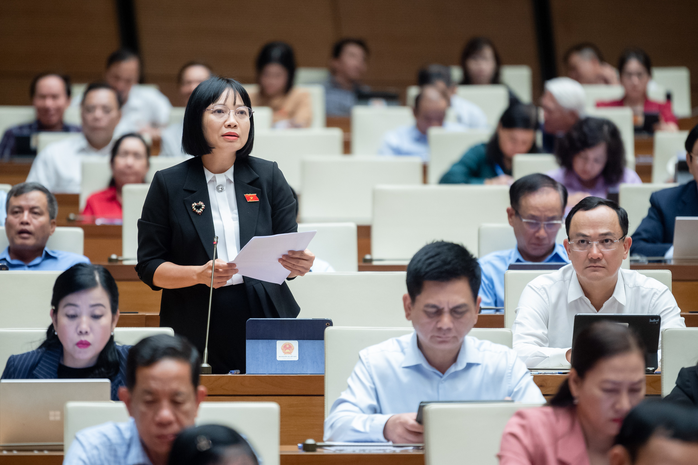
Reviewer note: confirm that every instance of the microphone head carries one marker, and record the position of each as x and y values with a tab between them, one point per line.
215	240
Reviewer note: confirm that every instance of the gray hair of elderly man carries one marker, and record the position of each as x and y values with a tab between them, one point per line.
568	93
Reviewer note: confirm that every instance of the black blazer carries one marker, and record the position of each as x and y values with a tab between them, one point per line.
43	364
686	390
655	235
170	231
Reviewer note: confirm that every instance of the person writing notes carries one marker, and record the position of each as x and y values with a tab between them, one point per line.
221	192
439	361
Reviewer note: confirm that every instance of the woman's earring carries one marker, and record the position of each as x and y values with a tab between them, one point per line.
55	332
112	333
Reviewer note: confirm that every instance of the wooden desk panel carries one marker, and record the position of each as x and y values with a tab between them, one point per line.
289	455
14	172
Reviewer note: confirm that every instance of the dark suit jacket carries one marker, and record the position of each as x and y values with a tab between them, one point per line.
655	235
170	231
43	364
686	390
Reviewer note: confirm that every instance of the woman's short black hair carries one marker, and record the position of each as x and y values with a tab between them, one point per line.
516	116
475	45
117	144
193	140
657	418
77	278
599	341
442	261
590	132
209	445
635	54
280	53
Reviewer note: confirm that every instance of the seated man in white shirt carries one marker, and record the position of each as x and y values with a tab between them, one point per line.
190	75
162	396
146	110
436	362
597	242
468	114
429	111
537	205
59	166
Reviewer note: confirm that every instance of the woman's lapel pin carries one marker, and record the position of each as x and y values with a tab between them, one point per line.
198	207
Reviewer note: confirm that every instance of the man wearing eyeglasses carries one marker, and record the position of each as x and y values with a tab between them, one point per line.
537	205
597	242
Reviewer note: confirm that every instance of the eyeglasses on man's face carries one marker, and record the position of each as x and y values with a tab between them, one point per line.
585	245
535	225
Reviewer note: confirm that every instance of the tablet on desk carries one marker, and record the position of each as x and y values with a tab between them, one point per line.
31	410
685	232
424	403
645	326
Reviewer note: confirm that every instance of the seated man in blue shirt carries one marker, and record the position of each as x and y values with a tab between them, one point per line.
537	205
31	220
429	111
50	94
162	395
655	235
436	362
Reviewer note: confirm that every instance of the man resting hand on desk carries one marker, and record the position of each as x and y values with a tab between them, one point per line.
597	243
436	362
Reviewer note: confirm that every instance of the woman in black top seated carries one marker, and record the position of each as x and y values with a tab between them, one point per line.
80	341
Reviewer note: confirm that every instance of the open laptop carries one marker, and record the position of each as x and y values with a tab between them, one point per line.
647	328
31	410
685	232
286	346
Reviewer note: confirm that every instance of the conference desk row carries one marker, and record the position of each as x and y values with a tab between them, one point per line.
301	398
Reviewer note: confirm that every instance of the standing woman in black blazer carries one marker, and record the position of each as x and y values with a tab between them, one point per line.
222	192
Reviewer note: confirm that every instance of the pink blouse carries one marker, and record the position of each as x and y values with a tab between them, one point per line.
543	436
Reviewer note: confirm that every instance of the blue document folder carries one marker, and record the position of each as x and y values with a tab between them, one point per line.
286	346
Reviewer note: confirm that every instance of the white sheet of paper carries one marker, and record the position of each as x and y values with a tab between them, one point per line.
259	259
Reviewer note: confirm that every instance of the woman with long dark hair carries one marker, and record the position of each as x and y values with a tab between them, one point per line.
580	422
491	162
276	69
80	340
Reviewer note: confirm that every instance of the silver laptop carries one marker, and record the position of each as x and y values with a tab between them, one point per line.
685	232
31	410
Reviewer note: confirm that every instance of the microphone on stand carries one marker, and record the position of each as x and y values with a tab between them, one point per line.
205	367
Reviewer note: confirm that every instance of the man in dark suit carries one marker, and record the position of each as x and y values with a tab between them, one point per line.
655	235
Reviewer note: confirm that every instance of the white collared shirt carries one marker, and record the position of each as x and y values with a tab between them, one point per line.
394	377
59	166
224	210
545	315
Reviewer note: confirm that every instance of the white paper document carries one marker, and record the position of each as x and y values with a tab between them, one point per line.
259	259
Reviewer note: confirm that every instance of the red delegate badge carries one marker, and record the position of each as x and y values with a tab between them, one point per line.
251	197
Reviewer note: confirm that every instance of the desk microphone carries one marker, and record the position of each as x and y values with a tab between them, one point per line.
205	367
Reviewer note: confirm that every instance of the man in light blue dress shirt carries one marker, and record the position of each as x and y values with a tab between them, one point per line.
436	362
31	220
429	111
537	205
162	396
